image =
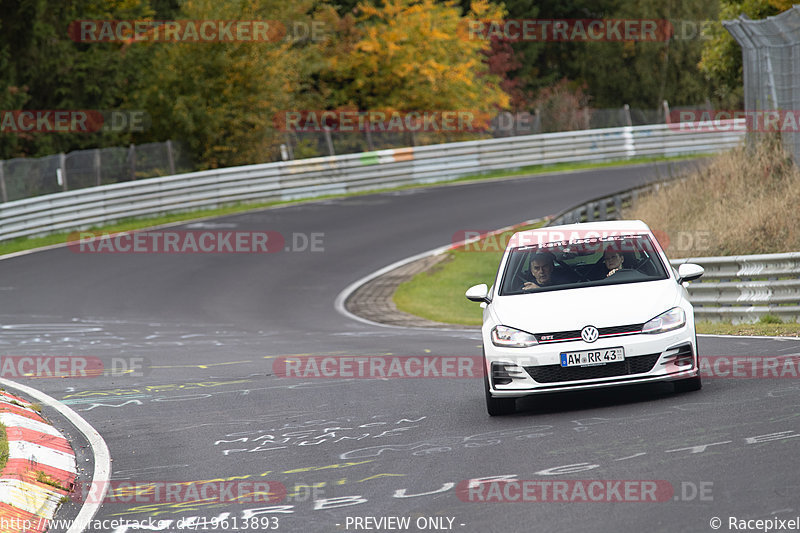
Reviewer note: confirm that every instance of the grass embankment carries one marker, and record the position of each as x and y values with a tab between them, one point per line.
3	447
742	203
438	294
759	328
27	243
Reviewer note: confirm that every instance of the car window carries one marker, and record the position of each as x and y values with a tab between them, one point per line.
581	263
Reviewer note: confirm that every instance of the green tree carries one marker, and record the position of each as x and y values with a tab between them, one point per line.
643	73
220	98
46	70
721	60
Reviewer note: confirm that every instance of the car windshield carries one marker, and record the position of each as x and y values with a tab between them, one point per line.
581	263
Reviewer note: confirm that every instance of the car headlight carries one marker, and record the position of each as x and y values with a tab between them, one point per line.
512	338
673	319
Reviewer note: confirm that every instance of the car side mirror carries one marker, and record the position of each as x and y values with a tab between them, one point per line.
478	293
689	272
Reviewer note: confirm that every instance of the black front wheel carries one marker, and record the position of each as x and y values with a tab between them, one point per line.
498	406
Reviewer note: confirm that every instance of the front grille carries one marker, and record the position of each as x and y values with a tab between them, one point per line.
621	330
613	331
557	373
557	336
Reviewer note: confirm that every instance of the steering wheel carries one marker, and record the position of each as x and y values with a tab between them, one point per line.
521	279
639	264
577	274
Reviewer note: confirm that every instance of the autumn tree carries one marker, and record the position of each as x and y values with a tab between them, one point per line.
220	98
410	55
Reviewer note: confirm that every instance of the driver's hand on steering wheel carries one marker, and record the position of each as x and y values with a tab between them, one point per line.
529	285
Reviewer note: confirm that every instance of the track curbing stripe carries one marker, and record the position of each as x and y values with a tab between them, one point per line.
102	457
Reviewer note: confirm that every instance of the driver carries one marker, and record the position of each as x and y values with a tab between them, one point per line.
542	268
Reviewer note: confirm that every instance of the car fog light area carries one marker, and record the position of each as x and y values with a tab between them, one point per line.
500	375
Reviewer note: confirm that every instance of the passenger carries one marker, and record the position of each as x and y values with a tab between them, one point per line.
613	259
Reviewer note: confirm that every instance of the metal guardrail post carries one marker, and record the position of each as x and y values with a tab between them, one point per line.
170	157
97	167
370	144
329	141
626	115
3	193
132	161
62	167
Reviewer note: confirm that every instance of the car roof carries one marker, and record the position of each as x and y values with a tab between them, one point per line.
578	231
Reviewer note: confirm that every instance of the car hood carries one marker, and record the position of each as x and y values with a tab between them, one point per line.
571	309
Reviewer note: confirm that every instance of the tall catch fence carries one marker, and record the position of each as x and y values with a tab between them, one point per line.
27	177
30	177
305	144
771	69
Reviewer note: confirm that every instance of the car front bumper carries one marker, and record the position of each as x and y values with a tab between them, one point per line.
648	358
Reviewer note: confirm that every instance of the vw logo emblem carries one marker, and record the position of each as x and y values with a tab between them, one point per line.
590	334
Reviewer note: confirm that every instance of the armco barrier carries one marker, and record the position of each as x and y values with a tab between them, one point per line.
308	178
745	287
604	208
734	288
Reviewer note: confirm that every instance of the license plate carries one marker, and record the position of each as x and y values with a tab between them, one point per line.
593	357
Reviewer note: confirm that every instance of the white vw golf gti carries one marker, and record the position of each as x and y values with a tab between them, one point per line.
584	306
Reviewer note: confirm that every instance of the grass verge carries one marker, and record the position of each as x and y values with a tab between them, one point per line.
42	477
3	447
759	328
438	294
742	202
28	243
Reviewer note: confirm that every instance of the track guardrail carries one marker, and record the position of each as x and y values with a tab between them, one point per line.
738	289
744	288
308	178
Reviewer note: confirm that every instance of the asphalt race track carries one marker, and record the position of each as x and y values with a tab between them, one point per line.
210	326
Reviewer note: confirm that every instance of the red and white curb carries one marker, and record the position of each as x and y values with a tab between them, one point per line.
40	470
38	453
